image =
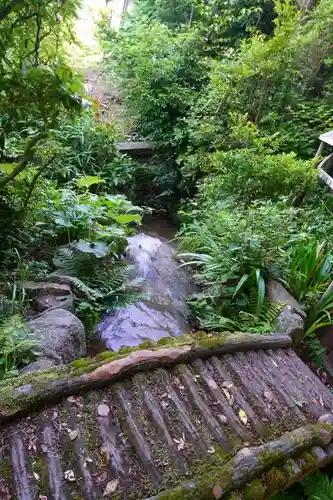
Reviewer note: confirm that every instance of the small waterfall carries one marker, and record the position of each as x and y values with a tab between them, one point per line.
162	311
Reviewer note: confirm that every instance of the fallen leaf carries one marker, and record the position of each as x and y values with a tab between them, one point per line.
211	450
299	403
217	492
268	395
180	442
274	363
36	476
32	444
223	419
73	434
227	385
69	475
212	384
71	399
87	461
103	410
243	416
164	404
42	497
321	400
111	487
226	393
105	451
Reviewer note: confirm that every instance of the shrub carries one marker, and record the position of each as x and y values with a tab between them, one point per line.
88	147
160	72
234	252
249	175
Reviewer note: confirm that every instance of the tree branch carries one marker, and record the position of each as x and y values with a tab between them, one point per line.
27	155
34	182
38	30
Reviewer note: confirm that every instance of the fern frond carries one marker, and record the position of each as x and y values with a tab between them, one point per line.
253	300
104	280
82	288
318	487
64	260
271	312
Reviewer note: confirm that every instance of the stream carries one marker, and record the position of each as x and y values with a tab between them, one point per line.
161	311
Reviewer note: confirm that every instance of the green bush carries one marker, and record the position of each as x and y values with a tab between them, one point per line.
17	347
234	252
318	486
249	175
88	147
160	72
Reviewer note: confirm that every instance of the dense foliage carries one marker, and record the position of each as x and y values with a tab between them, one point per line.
238	93
318	486
60	177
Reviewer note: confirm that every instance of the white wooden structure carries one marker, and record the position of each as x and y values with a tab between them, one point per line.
326	165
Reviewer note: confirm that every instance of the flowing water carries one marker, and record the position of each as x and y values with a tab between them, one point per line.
162	310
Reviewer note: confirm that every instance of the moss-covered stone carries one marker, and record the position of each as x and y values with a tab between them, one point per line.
255	490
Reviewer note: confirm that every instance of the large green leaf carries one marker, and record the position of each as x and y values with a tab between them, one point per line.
88	181
126	218
99	249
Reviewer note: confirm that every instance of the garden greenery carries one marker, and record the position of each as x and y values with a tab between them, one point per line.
61	177
235	95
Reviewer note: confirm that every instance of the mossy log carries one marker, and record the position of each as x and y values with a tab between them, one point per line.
18	396
278	479
250	463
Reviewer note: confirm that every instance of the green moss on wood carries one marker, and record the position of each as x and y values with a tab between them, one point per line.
275	479
81	363
255	490
236	495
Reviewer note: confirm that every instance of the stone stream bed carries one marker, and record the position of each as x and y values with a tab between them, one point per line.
160	311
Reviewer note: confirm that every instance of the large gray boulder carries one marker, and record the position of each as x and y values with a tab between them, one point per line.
45	302
277	293
51	295
60	335
291	323
39	288
291	319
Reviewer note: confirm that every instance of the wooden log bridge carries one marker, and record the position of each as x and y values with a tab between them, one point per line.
237	416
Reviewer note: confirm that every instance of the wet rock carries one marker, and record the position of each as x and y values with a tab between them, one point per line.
36	288
277	293
54	302
50	295
162	311
291	323
40	364
59	334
